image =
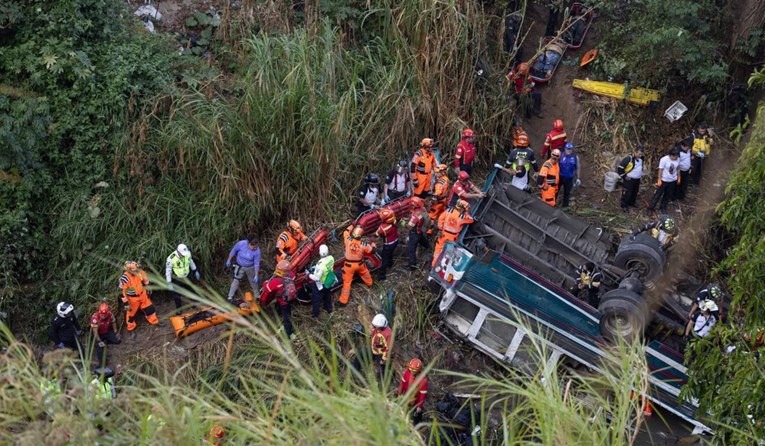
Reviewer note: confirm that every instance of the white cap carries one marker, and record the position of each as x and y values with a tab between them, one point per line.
380	321
323	251
708	305
183	250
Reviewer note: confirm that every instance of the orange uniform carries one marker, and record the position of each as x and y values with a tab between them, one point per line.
287	243
450	224
441	193
355	249
133	294
549	181
422	165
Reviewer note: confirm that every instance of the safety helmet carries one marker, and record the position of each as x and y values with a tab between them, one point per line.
217	432
568	146
294	225
440	168
64	309
463	176
131	266
668	224
462	205
358	232
372	178
282	268
380	321
417	202
183	250
523	68
708	305
714	290
402	163
555	152
387	215
521	140
103	308
415	365
323	251
467	133
558	124
426	142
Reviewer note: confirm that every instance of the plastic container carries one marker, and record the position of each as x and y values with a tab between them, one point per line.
675	111
609	183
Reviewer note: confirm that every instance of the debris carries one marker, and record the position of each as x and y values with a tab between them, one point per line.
148	11
675	111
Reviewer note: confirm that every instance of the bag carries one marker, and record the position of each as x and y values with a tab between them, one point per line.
330	280
290	292
630	165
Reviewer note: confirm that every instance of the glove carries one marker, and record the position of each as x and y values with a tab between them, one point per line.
126	308
577	183
255	279
385	200
228	264
497	166
197	275
374	206
701	155
101	344
60	345
409	193
170	287
658	183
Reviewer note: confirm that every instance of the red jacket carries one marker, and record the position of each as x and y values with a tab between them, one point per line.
388	232
465	154
381	342
556	139
419	382
280	288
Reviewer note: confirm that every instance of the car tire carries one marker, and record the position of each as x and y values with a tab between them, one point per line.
643	254
623	315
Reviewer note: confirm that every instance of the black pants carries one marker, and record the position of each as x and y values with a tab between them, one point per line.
387	259
696	167
379	368
285	311
395	195
109	338
682	188
360	209
416	416
591	294
411	246
568	186
630	192
665	193
466	168
319	296
536	103
182	284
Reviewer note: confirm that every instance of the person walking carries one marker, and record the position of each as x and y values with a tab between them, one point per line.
281	288
180	272
246	262
440	197
703	140
103	327
65	329
289	240
570	168
413	380
588	282
630	170
355	249
668	167
381	343
555	139
135	296
525	89
388	232
450	225
419	222
464	189
464	156
323	276
549	178
398	183
684	170
421	168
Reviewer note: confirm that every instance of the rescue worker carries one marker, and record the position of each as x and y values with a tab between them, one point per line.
398	183
281	288
569	172
102	385
711	292
103	326
663	230
524	86
388	232
440	197
464	189
419	222
450	223
369	194
132	282
555	139
355	249
381	343
413	380
630	170
65	329
180	271
668	167
702	322
684	170
519	163
216	435
423	162
246	257
323	276
588	282
289	241
549	178
464	156
703	140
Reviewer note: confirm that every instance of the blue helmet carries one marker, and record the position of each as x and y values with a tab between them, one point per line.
569	146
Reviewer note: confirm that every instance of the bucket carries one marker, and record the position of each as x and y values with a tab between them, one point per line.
609	183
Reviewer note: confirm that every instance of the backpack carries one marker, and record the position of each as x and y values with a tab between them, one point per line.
330	280
289	293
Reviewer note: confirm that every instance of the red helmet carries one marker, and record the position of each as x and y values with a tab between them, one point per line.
463	176
523	68
415	365
558	124
521	140
217	432
467	133
103	308
417	202
387	215
358	232
282	268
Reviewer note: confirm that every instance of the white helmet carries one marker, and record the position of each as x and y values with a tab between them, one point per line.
183	250
380	321
64	309
323	251
709	305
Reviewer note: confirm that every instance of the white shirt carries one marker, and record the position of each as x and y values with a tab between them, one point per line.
522	182
637	169
684	161
398	183
703	324
668	169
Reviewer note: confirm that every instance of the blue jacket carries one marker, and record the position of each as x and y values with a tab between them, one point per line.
568	165
244	256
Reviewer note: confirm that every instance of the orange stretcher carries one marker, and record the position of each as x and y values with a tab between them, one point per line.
195	320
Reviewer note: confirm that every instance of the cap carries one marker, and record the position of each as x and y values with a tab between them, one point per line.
183	250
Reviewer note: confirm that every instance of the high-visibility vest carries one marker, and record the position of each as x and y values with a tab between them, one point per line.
325	264
103	390
181	264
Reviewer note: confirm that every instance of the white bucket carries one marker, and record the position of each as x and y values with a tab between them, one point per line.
609	183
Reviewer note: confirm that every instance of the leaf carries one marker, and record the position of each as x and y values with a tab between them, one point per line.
202	18
191	22
50	60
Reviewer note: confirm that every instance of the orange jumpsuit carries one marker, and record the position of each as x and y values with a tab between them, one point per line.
287	244
354	263
134	295
441	193
450	223
422	166
549	175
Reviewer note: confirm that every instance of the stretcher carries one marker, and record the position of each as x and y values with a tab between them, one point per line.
303	282
195	320
640	96
370	220
550	56
577	25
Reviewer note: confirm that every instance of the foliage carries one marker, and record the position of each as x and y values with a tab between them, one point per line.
662	43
